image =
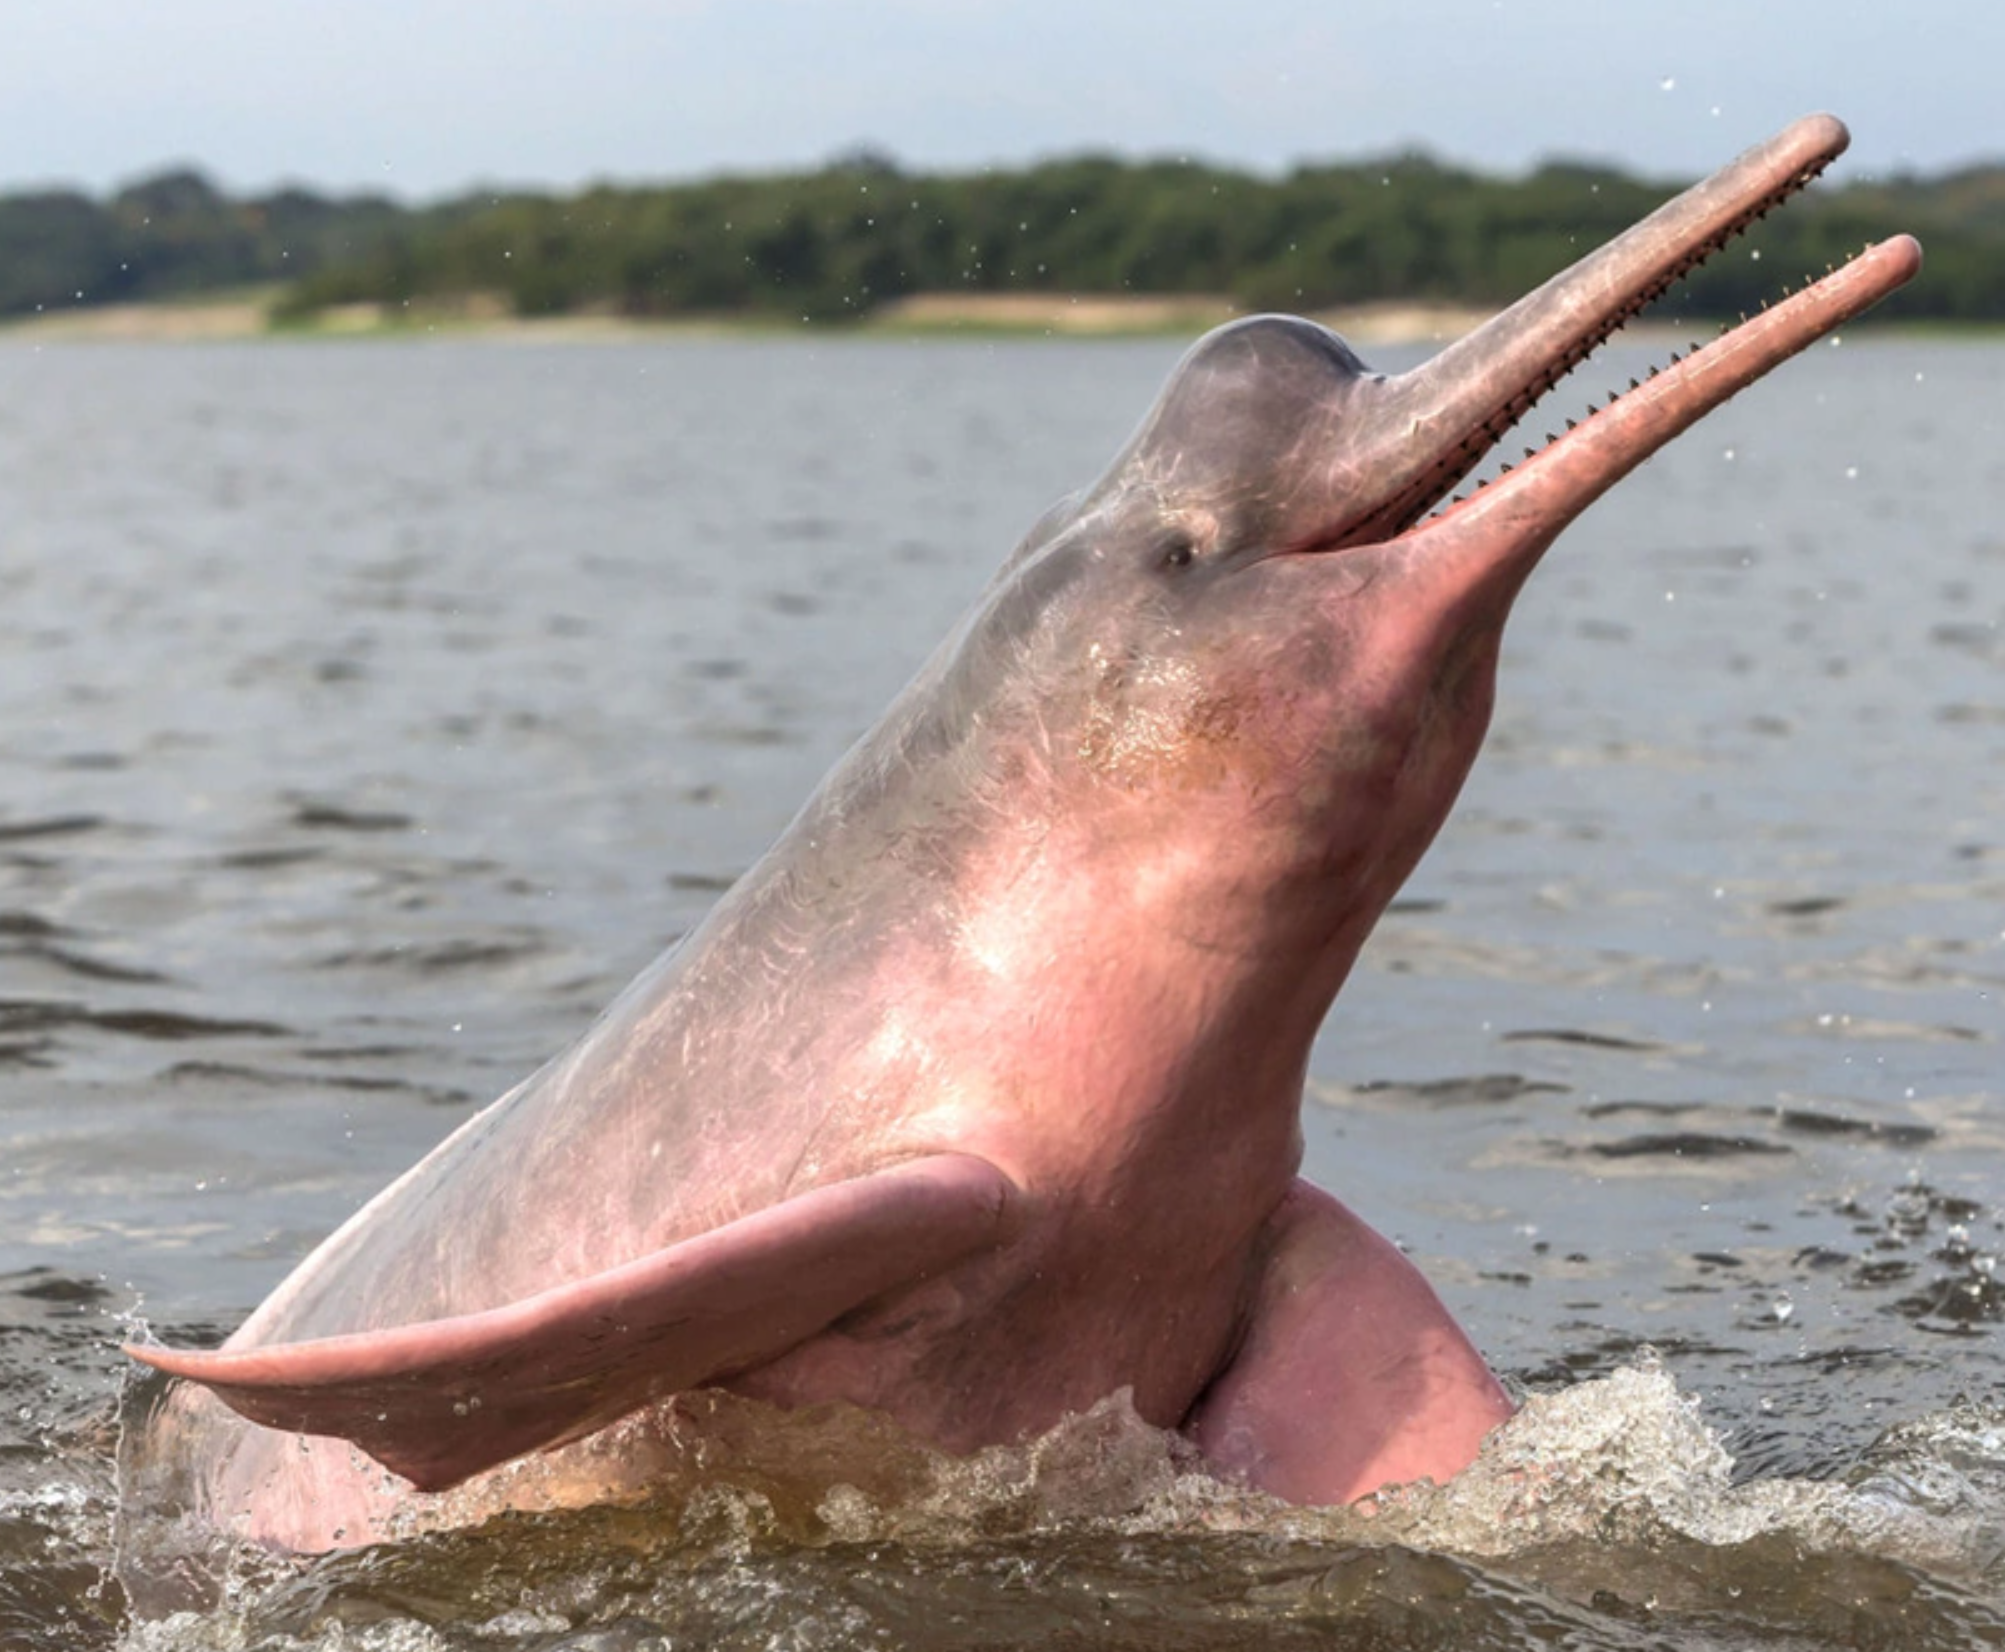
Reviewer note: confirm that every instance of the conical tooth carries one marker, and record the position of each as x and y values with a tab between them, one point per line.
1632	384
1570	424
1531	453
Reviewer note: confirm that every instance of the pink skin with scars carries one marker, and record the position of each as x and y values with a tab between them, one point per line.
978	1099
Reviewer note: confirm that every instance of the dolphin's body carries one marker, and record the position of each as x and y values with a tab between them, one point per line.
977	1100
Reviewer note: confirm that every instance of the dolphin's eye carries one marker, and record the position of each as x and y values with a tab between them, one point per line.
1176	551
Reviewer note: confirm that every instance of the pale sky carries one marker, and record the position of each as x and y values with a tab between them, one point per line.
425	98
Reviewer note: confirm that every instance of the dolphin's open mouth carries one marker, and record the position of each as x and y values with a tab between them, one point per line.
1450	412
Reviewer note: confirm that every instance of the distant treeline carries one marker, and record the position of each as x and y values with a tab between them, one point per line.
839	242
175	236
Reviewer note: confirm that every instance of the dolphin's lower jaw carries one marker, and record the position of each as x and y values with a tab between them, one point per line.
1510	521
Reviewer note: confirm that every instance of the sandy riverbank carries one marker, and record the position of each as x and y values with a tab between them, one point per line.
152	323
1089	314
247	316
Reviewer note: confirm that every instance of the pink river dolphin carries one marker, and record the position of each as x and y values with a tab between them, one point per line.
977	1099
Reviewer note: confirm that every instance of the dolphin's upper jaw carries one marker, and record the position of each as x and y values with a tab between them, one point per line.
1433	426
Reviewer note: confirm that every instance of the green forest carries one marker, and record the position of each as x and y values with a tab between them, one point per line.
838	243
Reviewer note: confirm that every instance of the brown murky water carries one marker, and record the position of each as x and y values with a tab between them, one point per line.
368	714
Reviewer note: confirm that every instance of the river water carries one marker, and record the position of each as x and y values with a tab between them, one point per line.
369	713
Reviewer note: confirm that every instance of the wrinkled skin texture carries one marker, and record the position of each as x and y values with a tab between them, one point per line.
978	1098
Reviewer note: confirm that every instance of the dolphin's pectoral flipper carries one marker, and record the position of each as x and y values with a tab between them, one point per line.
1351	1375
442	1400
